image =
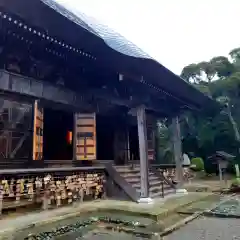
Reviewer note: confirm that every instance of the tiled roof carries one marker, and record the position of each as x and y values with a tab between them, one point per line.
110	37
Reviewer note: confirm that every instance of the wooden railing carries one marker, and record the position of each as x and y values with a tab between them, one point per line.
169	171
122	183
51	187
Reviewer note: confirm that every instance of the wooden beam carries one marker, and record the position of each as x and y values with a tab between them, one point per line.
143	149
86	101
19	84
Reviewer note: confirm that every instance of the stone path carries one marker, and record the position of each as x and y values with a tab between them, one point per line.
208	229
213	228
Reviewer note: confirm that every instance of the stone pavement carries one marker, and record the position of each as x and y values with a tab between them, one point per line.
208	229
206	185
221	223
161	207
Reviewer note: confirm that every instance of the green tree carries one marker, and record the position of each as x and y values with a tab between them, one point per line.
222	66
235	56
208	69
210	130
191	73
163	142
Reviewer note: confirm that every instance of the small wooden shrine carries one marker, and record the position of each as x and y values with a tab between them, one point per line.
222	159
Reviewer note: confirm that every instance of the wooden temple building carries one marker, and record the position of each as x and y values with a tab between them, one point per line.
78	109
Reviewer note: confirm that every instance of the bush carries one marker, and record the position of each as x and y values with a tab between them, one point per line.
197	163
236	182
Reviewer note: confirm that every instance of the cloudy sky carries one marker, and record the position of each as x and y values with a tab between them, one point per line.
175	32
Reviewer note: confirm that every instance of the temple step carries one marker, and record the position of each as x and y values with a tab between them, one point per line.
158	188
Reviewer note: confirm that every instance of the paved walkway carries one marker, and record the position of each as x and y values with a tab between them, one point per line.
208	229
209	185
154	210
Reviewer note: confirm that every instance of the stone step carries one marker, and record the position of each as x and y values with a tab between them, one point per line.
156	189
127	168
133	180
154	182
158	194
132	174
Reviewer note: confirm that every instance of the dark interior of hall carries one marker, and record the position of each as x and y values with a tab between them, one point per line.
110	148
58	125
105	129
134	143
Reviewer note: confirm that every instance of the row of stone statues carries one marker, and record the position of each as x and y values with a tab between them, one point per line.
170	173
51	190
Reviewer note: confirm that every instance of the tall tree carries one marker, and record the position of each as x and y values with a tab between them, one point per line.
227	108
208	70
235	55
222	66
191	73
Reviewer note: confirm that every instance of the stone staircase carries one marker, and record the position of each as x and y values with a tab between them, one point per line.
158	185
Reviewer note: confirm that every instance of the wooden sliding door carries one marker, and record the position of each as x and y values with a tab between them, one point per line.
85	136
151	138
37	132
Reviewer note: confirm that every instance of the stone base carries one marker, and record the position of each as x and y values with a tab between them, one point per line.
145	200
181	191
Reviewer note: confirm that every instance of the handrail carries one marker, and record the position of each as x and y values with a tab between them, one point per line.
121	182
167	165
154	169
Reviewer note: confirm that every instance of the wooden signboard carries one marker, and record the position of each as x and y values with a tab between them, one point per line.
85	136
38	132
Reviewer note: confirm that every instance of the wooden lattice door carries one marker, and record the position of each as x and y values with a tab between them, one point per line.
85	136
151	139
38	132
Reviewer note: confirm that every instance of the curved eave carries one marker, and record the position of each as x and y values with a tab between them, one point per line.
109	46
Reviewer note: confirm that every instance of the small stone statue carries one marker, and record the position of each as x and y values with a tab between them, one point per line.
80	189
1	198
18	190
30	189
11	191
46	196
69	188
39	185
58	193
75	187
5	187
63	190
52	191
22	185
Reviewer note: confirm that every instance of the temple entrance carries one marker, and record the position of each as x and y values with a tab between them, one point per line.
105	137
117	140
57	136
134	143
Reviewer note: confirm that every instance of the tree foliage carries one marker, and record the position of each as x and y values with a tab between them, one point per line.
203	133
212	130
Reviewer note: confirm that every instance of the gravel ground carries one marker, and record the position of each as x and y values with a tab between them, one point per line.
208	229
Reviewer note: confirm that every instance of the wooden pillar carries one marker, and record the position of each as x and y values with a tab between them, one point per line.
177	150
143	150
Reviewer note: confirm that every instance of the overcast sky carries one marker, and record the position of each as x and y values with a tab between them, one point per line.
175	32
